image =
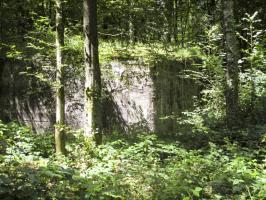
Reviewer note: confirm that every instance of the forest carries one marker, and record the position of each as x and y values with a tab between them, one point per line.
132	99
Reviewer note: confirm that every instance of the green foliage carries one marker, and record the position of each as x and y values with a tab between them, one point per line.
147	54
252	77
19	142
140	168
209	109
145	167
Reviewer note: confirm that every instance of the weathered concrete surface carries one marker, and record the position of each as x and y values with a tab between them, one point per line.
23	98
172	94
130	88
136	98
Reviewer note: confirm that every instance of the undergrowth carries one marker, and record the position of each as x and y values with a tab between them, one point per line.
143	167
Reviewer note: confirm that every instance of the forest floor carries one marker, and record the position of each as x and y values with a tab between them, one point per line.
136	167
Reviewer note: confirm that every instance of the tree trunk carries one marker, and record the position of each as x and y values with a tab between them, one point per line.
60	96
130	22
175	18
93	109
131	29
231	50
1	23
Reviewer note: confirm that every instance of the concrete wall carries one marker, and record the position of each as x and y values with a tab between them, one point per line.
136	97
24	99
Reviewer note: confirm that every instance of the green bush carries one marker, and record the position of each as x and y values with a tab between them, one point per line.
138	168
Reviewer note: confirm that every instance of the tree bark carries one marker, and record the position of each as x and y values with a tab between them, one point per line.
130	22
170	13
93	107
175	18
60	96
232	55
1	23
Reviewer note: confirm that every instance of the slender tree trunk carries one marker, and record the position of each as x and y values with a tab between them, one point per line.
169	14
60	96
182	39
252	76
187	25
1	22
130	22
49	7
175	18
131	29
93	109
12	86
232	54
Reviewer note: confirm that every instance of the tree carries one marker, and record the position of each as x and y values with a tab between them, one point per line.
130	22
93	124
60	95
231	50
